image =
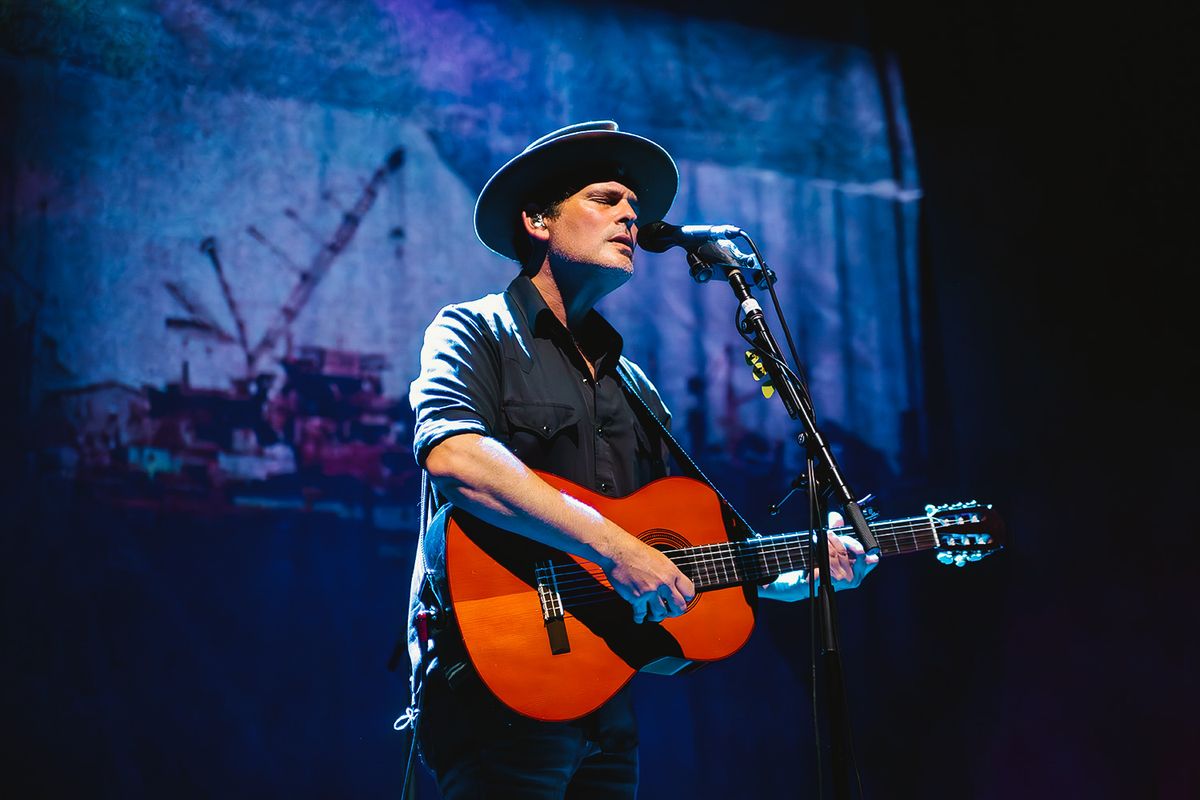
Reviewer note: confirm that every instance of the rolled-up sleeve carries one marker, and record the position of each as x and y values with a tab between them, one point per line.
458	388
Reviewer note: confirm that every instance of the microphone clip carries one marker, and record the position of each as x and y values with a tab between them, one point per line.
723	254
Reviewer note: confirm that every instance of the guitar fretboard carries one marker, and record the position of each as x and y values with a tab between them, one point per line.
757	560
764	558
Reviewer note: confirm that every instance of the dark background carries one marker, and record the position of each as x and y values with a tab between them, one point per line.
1055	155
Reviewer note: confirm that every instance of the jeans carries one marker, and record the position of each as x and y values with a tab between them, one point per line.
478	748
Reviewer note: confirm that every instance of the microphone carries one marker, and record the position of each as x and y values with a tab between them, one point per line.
658	237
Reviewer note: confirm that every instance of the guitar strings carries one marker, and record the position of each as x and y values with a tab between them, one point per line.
715	553
741	562
737	563
724	557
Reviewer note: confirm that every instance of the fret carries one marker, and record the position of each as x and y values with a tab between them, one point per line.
722	565
779	565
933	532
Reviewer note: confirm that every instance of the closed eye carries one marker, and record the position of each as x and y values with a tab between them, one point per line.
614	198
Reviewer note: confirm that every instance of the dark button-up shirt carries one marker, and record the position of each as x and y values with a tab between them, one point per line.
504	366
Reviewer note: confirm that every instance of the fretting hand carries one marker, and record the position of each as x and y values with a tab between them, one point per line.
847	563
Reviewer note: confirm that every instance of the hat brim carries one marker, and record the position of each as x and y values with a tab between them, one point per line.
646	168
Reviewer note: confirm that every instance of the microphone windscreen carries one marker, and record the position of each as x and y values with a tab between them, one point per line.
657	237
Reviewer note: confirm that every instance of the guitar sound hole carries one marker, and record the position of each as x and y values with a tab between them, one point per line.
664	540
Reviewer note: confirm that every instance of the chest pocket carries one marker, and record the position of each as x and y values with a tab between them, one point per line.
541	433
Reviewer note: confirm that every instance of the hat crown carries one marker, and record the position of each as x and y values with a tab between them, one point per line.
578	127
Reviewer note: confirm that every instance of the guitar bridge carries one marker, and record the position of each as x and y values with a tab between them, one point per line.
552	608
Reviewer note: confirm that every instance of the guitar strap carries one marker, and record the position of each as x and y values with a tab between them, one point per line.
651	421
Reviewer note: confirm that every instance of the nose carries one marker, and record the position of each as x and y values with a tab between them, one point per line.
628	216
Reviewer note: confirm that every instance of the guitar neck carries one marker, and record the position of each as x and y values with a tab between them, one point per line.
763	559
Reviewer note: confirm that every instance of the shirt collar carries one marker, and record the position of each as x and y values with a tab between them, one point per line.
595	331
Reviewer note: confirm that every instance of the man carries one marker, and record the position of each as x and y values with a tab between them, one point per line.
527	379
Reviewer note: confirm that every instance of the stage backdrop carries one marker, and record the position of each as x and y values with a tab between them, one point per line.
226	225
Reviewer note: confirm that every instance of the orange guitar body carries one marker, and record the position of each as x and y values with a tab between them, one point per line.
493	579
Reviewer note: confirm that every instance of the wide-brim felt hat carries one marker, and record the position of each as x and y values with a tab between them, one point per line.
588	151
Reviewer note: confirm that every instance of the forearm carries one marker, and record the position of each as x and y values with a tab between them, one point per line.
480	475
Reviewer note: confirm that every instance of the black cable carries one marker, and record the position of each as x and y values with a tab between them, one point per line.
787	332
800	385
415	716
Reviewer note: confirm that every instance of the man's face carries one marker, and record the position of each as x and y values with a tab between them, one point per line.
596	226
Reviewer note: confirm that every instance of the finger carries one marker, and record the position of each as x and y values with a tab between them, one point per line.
852	545
839	561
836	520
854	549
873	559
686	587
674	602
658	609
641	609
651	607
846	562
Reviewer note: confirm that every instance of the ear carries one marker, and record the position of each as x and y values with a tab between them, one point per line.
535	223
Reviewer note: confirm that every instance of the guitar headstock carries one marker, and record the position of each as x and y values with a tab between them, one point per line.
966	531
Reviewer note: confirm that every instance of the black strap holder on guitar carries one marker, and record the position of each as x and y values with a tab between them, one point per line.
822	477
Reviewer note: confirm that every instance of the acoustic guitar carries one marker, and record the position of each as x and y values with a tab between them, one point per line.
553	640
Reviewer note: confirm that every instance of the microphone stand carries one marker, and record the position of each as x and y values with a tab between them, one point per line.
823	477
